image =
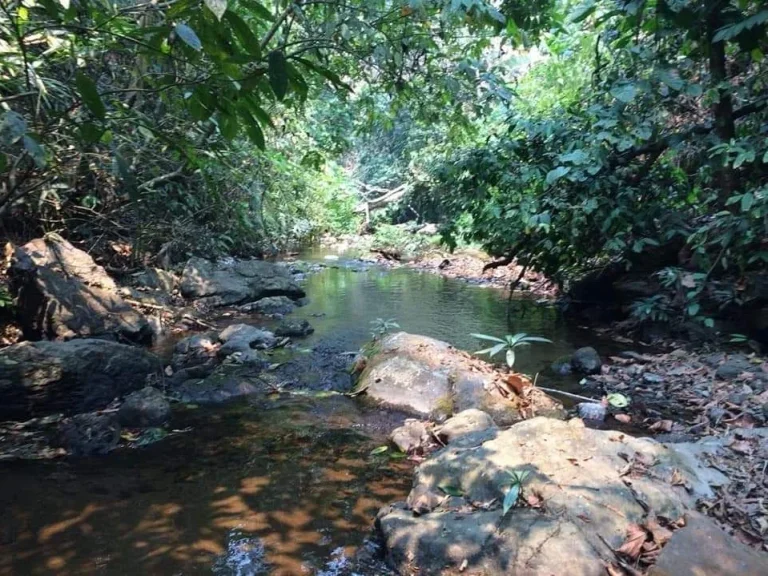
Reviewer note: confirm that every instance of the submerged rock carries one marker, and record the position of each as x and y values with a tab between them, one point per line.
39	378
272	305
88	434
586	361
62	294
577	472
233	282
294	328
145	408
214	389
431	378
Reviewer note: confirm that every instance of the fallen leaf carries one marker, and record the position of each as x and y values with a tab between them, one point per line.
623	418
741	447
662	426
660	534
633	545
534	500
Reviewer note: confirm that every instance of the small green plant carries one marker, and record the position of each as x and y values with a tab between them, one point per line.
508	343
6	300
514	490
379	327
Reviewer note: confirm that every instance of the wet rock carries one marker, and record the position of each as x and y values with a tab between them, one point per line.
145	408
195	350
430	377
577	471
62	294
410	436
586	361
422	500
733	367
700	547
88	434
242	338
324	368
39	378
294	328
562	366
466	422
591	411
272	305
232	282
215	389
155	279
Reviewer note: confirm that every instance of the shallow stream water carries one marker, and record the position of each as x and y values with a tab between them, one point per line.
283	486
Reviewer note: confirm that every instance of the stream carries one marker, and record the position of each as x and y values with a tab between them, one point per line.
285	485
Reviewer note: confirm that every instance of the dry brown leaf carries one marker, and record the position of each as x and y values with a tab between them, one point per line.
741	447
633	545
534	500
662	426
614	570
623	418
660	534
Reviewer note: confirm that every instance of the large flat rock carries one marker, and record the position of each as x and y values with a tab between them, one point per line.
590	486
233	282
39	378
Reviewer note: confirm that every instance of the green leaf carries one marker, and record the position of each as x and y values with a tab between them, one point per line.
555	175
188	36
90	95
694	308
278	73
227	125
252	128
617	400
12	127
536	339
624	92
325	73
379	450
258	9
583	12
493	350
451	490
488	338
244	34
218	7
510	498
671	78
36	151
747	201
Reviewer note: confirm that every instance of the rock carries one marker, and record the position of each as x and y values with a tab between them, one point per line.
61	294
422	500
651	378
431	378
591	411
272	305
577	471
145	408
242	338
733	367
215	389
586	361
226	283
410	436
466	422
562	366
39	378
88	434
700	547
294	328
195	350
62	258
325	368
155	279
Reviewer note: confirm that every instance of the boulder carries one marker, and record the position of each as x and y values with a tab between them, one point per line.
294	328
155	279
145	408
466	422
215	389
232	282
586	361
410	436
272	305
243	338
39	378
62	294
431	378
700	547
195	350
88	434
579	473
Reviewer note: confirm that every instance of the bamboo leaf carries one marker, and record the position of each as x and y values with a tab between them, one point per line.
90	95
278	73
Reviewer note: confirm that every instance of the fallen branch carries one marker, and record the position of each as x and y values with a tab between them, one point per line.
567	394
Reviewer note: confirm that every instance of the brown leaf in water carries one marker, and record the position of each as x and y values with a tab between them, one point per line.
633	545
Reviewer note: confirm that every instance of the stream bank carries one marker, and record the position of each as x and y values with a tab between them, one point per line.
272	383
